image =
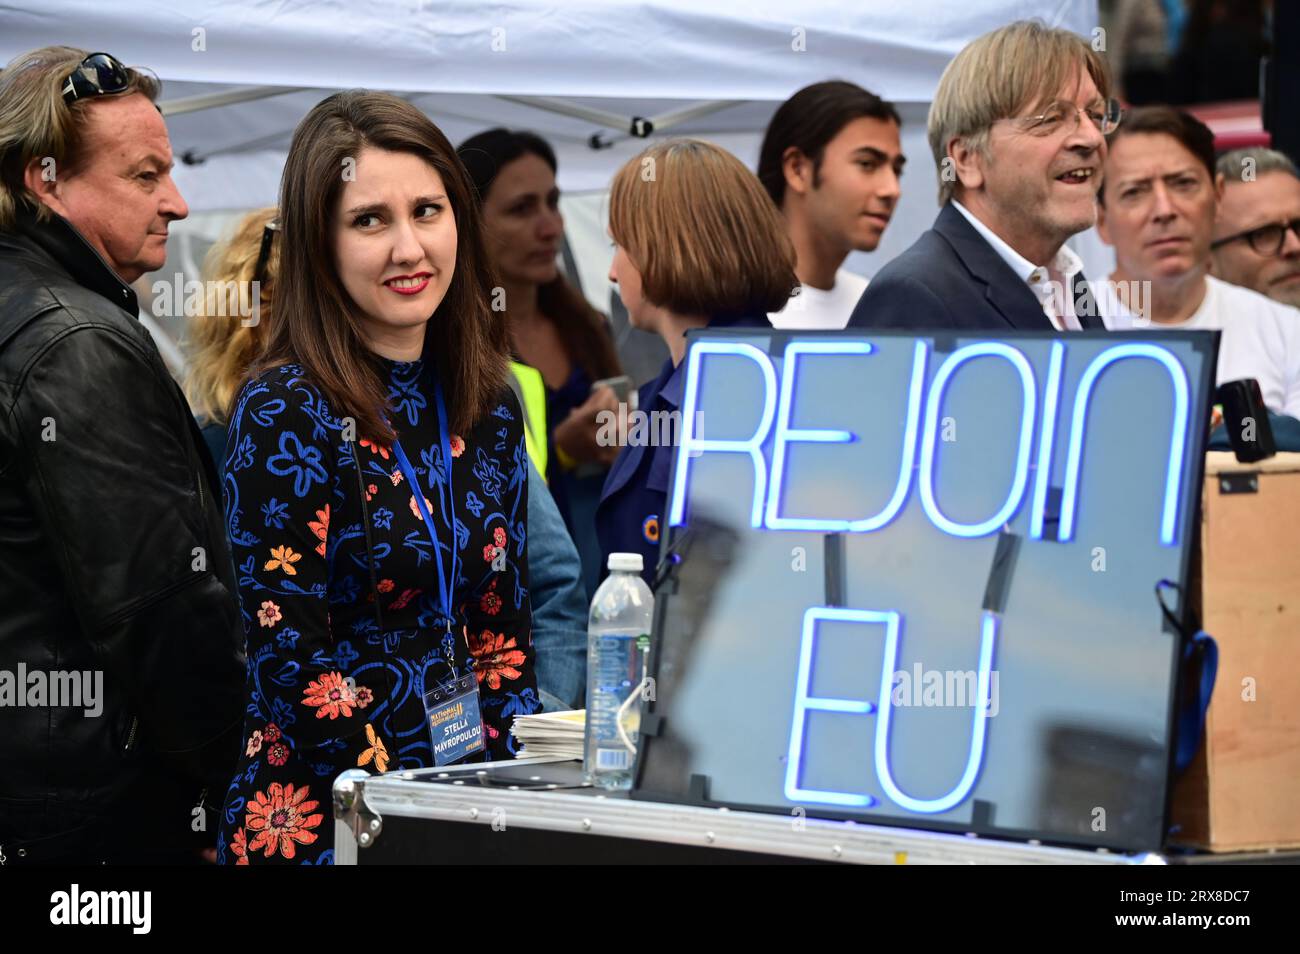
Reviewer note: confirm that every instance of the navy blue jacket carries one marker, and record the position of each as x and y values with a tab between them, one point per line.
635	497
555	590
951	278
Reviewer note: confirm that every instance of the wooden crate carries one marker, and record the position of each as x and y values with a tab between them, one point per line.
1243	790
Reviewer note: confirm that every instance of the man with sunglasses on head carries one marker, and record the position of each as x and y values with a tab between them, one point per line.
1257	225
1017	129
120	647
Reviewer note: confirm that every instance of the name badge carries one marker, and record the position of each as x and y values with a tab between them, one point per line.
455	722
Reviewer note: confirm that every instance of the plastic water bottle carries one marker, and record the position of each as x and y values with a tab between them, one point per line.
618	640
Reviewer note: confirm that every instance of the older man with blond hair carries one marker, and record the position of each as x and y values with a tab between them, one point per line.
112	543
1017	128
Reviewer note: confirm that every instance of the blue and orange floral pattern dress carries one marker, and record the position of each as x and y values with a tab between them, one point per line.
327	688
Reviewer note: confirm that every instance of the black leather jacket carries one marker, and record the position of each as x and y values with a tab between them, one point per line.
113	558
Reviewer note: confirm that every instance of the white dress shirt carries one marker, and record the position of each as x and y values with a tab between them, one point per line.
1052	285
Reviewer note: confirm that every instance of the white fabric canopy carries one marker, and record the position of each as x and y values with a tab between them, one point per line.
669	49
566	71
457	60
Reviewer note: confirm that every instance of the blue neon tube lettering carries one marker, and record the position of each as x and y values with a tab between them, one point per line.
786	434
803	702
690	444
1043	472
979	726
1079	423
933	405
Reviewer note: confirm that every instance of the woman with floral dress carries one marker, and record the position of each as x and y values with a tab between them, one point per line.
374	483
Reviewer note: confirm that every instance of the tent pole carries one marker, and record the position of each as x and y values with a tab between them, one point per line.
687	113
673	118
193	104
636	127
193	158
598	116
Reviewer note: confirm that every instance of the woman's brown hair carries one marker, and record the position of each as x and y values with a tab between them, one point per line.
584	331
316	323
702	231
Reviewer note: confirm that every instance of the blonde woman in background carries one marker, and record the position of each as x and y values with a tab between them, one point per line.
226	338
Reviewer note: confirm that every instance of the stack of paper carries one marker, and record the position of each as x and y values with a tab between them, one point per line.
557	734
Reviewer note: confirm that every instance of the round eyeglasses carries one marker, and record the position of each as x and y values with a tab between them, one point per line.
1265	240
1062	116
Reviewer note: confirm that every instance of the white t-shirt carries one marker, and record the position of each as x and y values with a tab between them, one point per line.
1260	337
813	309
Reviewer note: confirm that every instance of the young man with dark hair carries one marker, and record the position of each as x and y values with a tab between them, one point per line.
1158	210
831	160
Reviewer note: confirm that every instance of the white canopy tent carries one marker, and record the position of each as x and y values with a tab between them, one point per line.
238	75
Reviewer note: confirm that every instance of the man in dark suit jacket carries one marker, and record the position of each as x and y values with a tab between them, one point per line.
951	277
1019	170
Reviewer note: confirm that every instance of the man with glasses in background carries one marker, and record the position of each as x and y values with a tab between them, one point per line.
1017	128
117	583
1257	226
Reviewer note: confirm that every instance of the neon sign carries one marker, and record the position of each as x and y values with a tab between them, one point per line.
785	435
934	402
1177	435
1047	410
767	508
882	709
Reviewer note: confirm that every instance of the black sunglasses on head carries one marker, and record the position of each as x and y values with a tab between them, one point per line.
99	74
264	253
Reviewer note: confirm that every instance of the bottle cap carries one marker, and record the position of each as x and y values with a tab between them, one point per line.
629	562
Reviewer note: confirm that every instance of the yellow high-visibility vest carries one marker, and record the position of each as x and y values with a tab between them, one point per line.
528	386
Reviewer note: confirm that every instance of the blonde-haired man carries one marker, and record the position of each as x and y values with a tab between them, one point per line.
117	579
1017	128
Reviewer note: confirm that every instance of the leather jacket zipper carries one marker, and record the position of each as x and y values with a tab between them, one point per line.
130	736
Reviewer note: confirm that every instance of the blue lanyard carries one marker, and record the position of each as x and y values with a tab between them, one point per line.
446	585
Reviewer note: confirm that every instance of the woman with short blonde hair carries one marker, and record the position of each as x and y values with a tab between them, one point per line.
698	244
